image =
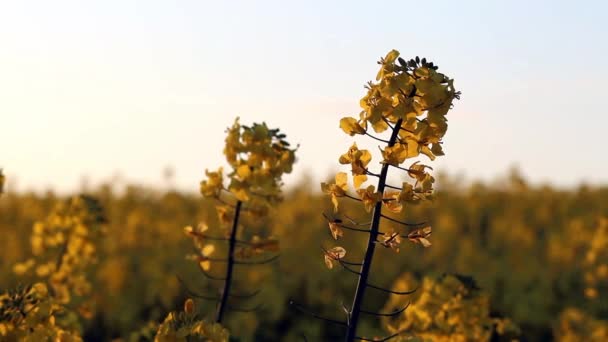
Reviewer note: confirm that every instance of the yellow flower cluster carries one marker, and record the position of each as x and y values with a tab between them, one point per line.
64	248
28	314
259	156
450	308
412	99
186	326
575	325
588	252
413	92
595	264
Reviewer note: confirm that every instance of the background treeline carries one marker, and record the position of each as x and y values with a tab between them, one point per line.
540	254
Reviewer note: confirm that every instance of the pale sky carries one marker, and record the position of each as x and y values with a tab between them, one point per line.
98	88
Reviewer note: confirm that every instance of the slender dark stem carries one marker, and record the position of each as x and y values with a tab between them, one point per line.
351	333
211	276
401	293
245	295
355	222
379	340
194	294
349	269
217	238
403	223
207	237
351	197
341	225
369	173
392	186
302	309
253	309
240	262
373	137
387	314
388	123
353	229
409	170
221	309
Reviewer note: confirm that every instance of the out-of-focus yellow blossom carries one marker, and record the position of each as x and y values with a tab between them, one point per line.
186	326
449	308
574	325
64	247
29	314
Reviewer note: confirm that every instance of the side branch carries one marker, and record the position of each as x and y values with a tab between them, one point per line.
245	295
392	314
402	222
339	223
381	339
374	137
253	309
314	315
194	294
261	262
211	276
393	187
401	293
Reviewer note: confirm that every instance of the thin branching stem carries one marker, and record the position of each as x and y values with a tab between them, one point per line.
217	259
409	170
353	229
221	308
341	225
408	224
261	262
351	333
211	276
369	173
355	222
388	123
314	315
194	294
383	314
218	238
238	309
381	339
351	197
374	137
393	187
401	293
349	269
245	295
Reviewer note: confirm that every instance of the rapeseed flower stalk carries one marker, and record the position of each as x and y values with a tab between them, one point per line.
258	158
64	247
409	102
29	313
447	308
